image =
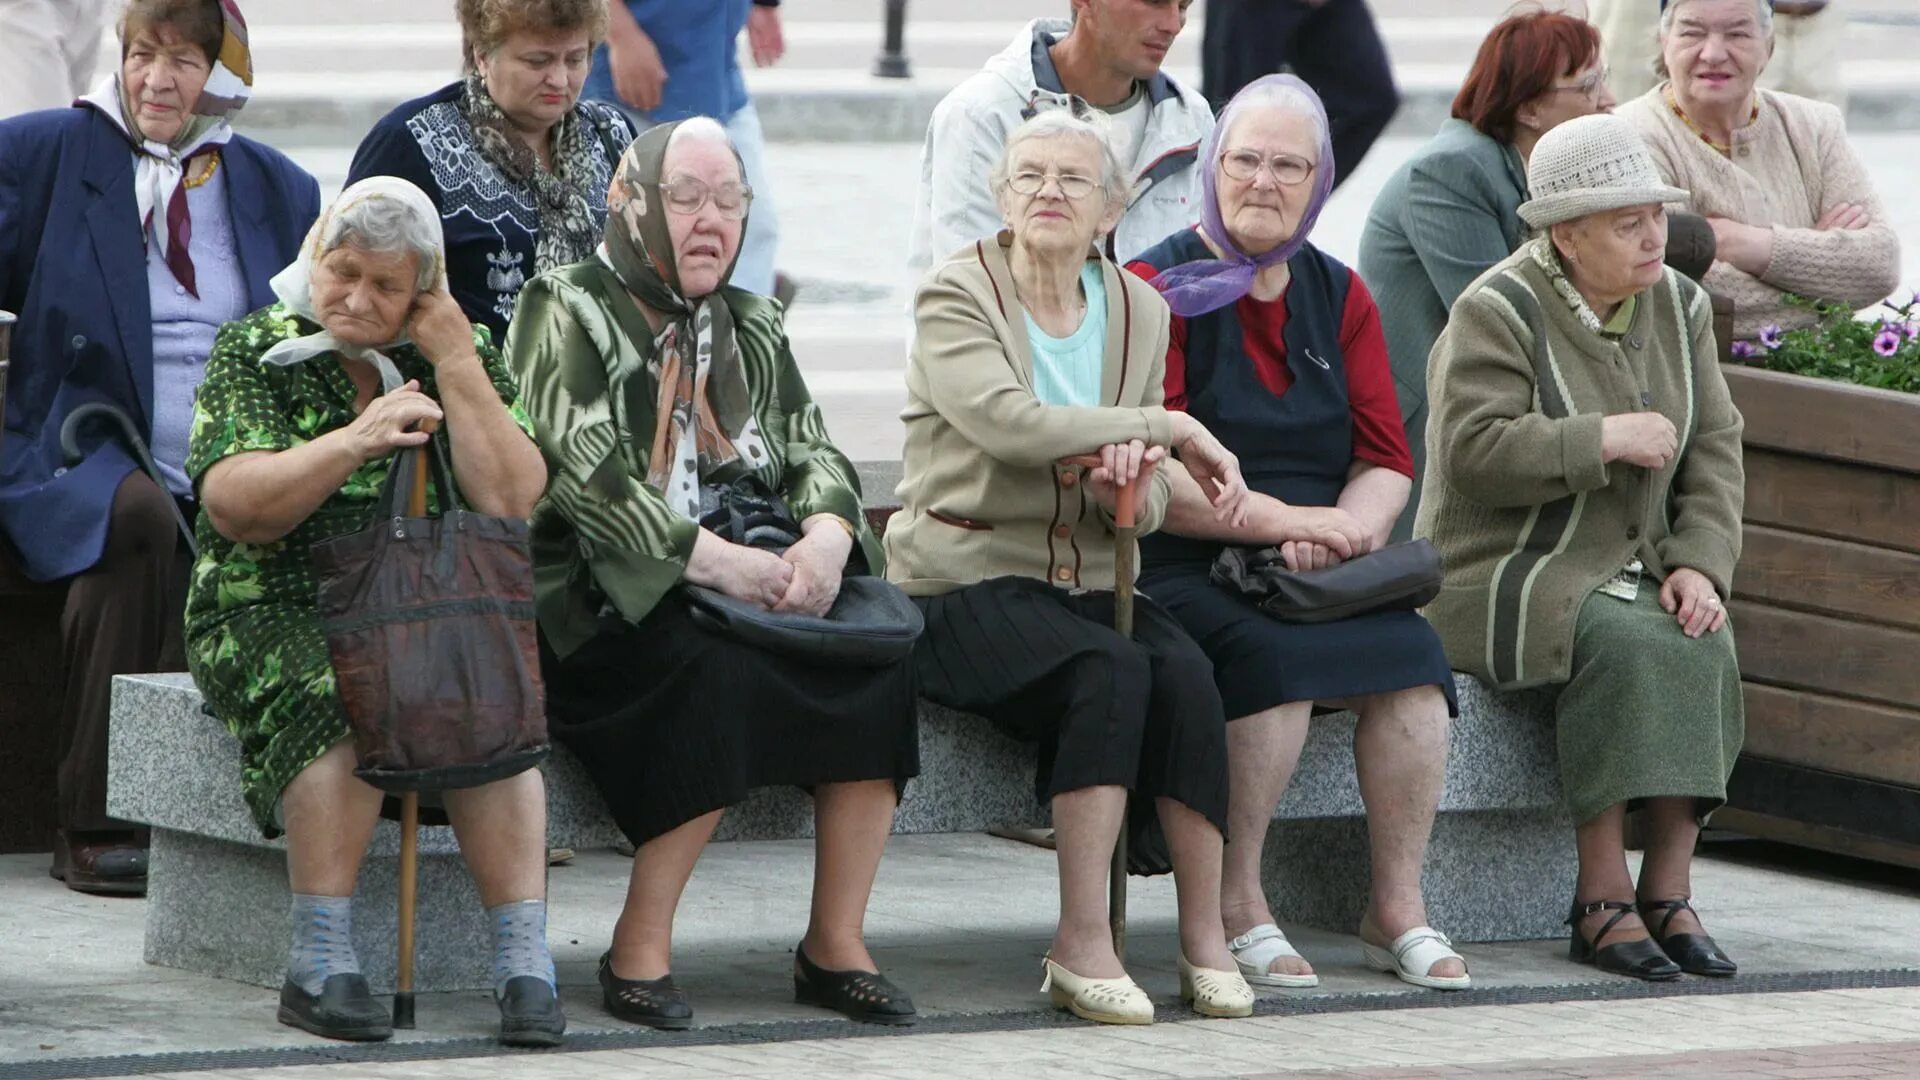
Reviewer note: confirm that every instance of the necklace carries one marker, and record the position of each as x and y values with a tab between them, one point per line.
1724	148
206	171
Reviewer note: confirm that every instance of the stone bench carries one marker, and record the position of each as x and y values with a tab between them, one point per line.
1498	867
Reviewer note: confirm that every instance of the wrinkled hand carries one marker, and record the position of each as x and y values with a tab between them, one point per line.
764	37
1214	468
639	75
439	329
1646	439
818	561
744	573
1306	555
1327	528
1843	216
387	423
1748	248
1120	464
1690	598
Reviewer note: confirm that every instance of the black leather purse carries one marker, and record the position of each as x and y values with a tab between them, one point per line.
871	623
1398	577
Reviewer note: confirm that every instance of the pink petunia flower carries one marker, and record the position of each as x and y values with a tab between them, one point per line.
1745	350
1771	336
1887	342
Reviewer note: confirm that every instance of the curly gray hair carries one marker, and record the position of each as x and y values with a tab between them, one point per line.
388	226
1068	123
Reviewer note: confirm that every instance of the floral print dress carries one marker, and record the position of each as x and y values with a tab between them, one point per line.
254	640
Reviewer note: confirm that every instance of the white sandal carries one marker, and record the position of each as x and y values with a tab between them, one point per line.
1255	951
1213	992
1413	954
1103	1001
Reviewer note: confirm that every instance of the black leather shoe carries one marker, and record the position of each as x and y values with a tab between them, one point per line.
345	1009
857	995
530	1013
103	864
1641	959
657	1003
1697	954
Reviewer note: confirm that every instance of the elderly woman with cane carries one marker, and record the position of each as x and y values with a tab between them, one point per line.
1584	491
304	404
1032	350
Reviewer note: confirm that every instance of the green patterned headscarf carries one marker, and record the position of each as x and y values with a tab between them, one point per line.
705	413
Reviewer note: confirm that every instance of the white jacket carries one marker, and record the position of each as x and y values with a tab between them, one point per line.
955	206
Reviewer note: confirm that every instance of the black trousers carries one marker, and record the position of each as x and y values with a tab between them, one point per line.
123	616
1334	48
1046	667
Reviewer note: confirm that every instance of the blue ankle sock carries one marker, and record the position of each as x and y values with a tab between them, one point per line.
520	943
322	941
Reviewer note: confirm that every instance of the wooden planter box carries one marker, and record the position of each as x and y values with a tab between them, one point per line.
1827	610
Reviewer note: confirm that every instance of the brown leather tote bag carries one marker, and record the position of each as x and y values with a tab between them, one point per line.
430	624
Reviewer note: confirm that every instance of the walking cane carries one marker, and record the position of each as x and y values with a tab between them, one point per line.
410	804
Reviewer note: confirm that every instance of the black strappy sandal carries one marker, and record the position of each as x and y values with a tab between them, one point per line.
656	1003
1697	954
857	995
1642	959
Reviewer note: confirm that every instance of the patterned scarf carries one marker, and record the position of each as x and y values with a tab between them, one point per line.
160	169
568	231
704	418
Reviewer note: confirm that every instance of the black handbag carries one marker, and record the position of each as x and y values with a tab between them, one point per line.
1398	577
871	623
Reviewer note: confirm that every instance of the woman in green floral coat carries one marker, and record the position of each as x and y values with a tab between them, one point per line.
303	405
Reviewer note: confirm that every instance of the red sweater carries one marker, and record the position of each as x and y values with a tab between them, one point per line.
1378	434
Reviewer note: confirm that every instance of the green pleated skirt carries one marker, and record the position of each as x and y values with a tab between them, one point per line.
1648	711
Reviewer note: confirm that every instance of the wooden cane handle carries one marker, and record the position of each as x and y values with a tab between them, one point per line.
417	500
1126	495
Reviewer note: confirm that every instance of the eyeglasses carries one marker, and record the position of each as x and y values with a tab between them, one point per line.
1072	185
1286	168
686	195
1590	86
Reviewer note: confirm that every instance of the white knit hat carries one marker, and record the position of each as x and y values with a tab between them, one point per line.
1590	164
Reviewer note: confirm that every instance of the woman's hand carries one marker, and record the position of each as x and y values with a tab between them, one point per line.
1213	467
1690	598
744	573
1327	528
387	424
1646	439
1307	555
1748	248
439	329
1121	464
1844	216
818	561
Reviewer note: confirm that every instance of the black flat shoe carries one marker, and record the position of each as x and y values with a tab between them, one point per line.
345	1009
530	1013
1641	959
1697	954
865	996
656	1003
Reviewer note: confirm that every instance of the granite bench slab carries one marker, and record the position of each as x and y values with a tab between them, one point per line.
218	898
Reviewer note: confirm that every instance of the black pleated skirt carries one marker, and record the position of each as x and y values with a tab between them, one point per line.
673	721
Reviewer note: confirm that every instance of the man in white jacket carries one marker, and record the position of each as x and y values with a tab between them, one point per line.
1109	55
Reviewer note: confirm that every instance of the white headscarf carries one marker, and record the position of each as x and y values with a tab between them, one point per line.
294	285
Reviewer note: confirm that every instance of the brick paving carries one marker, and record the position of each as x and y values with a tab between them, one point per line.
1834	1061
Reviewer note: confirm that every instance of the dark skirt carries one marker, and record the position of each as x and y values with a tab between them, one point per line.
1260	662
673	721
1045	666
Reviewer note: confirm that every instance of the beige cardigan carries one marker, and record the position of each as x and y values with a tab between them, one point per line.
982	495
1789	166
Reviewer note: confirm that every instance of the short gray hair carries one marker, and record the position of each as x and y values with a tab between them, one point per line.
1058	123
1762	11
699	129
386	225
1284	98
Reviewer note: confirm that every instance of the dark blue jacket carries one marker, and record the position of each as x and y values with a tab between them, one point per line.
73	267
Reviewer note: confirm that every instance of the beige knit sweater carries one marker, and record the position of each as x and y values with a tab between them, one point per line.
1789	166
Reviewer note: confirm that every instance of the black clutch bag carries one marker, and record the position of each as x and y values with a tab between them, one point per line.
1399	577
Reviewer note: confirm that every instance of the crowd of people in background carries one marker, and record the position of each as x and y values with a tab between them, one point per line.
566	257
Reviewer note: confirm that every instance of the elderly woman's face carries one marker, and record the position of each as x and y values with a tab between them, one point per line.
1053	198
1264	176
701	187
535	76
1615	254
1583	93
1715	51
362	297
163	74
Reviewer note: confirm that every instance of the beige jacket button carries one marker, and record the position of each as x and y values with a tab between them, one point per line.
1069	479
1061	531
1063	574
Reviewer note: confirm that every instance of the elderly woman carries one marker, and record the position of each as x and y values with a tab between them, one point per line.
304	405
517	164
1447	214
131	227
1791	204
1277	349
671	411
1033	350
1584	489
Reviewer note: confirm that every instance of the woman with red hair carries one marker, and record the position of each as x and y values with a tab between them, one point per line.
1450	212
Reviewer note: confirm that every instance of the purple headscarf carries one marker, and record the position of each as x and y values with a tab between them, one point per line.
1205	285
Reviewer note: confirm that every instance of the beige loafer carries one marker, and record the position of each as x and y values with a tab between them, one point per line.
1216	993
1103	1001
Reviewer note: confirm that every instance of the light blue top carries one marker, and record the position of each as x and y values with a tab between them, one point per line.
1066	371
184	326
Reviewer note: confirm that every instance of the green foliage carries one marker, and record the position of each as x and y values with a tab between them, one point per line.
1882	352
